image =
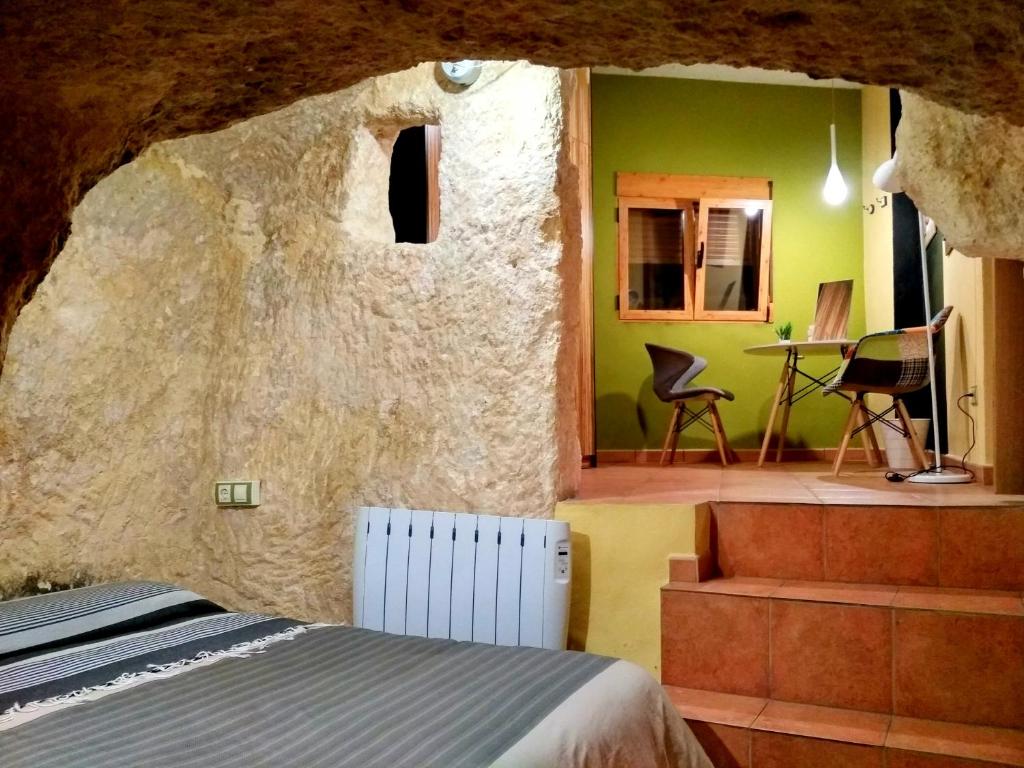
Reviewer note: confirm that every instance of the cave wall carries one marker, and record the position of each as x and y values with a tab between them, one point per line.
233	305
90	84
965	172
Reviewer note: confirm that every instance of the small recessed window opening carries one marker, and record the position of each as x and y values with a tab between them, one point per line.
413	194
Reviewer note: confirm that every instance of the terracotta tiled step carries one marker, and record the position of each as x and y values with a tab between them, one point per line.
942	654
972	547
753	732
951	599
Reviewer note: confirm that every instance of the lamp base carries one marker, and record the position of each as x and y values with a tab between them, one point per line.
940	476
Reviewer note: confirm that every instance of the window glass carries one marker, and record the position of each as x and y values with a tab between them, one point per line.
656	238
732	259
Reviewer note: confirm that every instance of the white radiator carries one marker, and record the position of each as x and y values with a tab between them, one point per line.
500	580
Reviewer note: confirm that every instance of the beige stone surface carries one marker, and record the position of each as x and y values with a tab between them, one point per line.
89	84
965	172
233	305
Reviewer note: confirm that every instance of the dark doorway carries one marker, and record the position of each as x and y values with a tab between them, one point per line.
412	187
908	294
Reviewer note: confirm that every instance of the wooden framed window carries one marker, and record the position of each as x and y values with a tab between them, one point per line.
694	248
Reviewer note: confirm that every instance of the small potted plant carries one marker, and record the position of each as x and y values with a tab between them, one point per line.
784	331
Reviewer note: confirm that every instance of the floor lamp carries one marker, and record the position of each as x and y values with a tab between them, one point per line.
885	179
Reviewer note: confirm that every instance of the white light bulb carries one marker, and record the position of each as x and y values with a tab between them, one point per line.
752	211
835	187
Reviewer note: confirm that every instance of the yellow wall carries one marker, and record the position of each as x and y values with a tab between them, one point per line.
620	562
966	283
876	148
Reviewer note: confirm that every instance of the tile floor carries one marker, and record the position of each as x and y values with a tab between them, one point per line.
793	482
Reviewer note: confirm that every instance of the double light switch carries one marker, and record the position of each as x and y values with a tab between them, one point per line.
237	493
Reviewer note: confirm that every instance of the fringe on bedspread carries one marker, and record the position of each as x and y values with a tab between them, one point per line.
160	671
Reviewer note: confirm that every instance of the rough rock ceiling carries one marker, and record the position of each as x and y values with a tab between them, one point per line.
87	84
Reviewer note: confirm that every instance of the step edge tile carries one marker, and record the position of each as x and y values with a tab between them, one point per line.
737	586
898	740
803	591
813	726
746	710
920	598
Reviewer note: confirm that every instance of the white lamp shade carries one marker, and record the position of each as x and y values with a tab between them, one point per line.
886	178
835	190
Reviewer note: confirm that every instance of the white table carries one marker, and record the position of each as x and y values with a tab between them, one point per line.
787	392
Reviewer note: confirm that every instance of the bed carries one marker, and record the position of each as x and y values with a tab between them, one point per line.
150	674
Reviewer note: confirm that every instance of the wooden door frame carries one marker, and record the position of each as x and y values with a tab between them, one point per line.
1007	291
579	138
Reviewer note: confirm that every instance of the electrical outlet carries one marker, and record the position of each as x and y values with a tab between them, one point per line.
223	493
237	493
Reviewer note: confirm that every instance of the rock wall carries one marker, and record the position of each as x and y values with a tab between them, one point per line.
965	172
233	305
89	84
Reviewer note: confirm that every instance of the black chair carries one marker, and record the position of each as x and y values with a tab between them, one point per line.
673	371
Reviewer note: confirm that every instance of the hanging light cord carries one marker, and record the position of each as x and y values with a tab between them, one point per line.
832	126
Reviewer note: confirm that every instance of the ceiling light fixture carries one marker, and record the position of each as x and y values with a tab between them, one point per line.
835	190
463	72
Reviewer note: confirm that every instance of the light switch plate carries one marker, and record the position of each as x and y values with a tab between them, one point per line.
237	493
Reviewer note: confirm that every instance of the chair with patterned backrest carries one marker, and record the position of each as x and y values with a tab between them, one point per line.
674	369
889	363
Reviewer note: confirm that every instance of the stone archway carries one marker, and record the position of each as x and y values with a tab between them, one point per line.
87	86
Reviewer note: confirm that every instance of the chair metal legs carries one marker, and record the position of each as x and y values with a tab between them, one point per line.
867	436
861	419
683	417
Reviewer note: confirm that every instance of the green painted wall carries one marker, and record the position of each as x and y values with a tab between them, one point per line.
668	125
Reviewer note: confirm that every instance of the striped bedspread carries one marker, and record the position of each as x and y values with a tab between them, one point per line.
54	645
335	696
274	692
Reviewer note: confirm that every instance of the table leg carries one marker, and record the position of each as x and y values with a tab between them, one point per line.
783	380
785	411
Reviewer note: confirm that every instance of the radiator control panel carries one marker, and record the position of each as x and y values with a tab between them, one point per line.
562	560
